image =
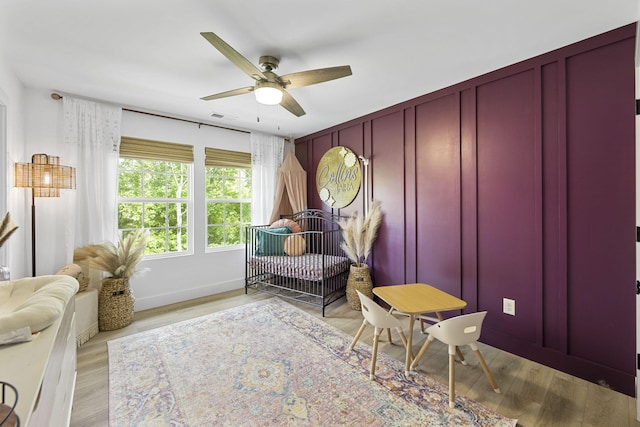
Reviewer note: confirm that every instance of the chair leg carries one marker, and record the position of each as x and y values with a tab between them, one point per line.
460	356
403	337
374	352
357	337
452	380
458	352
391	310
485	368
424	348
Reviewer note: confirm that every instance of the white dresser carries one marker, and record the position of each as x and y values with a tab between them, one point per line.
44	373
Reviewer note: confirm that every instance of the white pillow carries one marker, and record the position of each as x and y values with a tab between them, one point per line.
38	311
72	270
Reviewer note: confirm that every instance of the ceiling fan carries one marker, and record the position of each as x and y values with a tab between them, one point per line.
270	88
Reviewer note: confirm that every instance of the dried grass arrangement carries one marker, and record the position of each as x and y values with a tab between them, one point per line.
119	261
7	227
359	233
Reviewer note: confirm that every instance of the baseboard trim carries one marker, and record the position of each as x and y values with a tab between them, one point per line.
187	294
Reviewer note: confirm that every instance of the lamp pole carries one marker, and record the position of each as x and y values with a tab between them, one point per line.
33	233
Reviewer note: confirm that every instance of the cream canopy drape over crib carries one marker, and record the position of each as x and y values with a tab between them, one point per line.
291	191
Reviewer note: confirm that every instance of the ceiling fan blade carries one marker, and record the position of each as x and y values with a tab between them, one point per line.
240	91
232	55
311	77
291	104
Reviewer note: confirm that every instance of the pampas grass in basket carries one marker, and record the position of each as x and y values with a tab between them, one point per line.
359	233
119	261
115	299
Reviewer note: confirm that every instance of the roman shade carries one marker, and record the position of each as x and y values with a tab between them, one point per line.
215	157
155	150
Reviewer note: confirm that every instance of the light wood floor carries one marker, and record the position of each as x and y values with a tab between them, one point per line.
534	394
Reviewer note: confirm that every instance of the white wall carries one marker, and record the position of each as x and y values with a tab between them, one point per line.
14	252
174	279
167	280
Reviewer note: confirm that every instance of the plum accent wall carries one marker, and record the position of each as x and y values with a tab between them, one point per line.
516	184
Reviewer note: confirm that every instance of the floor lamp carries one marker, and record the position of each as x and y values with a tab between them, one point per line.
46	177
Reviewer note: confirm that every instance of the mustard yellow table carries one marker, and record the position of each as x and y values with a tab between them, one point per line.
418	298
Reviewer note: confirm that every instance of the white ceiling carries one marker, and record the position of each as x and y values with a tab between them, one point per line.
148	54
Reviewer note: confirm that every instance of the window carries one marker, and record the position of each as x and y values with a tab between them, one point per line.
154	193
228	193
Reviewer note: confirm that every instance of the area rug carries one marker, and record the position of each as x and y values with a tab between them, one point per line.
270	363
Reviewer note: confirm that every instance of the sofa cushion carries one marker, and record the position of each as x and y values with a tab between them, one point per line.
34	302
12	296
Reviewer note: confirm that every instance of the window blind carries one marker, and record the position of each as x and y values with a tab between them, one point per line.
226	158
155	150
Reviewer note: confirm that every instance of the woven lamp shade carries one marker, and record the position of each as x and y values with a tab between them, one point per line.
45	175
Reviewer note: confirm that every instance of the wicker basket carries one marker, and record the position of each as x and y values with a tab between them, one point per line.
83	281
359	280
115	304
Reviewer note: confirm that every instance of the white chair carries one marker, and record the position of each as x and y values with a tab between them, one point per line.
424	318
380	319
457	331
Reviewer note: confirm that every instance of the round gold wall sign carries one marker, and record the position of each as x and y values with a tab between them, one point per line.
338	177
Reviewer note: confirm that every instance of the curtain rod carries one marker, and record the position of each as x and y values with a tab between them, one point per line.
58	97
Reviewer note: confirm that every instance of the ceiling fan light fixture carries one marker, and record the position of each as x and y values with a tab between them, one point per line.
268	93
269	88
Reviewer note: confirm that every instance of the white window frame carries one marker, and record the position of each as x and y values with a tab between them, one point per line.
215	200
188	201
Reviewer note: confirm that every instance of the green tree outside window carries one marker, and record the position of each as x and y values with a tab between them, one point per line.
228	192
154	194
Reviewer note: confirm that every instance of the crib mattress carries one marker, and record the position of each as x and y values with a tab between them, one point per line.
306	266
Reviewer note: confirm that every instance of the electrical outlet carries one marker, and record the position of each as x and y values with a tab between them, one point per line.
509	306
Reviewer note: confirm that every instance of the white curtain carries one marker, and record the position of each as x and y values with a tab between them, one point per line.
266	157
92	141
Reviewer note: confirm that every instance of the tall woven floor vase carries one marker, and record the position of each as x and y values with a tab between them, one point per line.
115	304
359	280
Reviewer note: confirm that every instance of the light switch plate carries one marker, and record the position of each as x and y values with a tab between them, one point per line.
509	306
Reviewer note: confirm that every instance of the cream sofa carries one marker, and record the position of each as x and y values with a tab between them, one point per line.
43	367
